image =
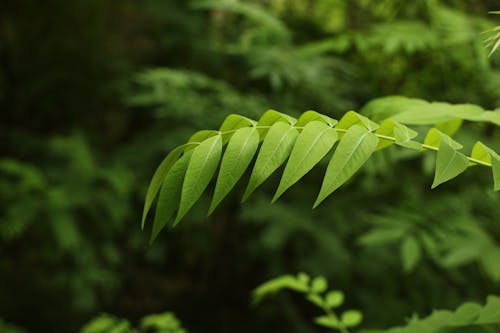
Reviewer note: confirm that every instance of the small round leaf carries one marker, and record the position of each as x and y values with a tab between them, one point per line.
319	284
351	318
334	299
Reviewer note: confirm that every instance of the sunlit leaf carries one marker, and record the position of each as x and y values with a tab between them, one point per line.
170	194
449	164
312	144
157	180
274	151
238	155
200	170
352	152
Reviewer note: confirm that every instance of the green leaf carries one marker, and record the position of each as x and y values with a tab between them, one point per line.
386	128
449	164
312	144
466	314
327	321
235	121
277	284
423	116
334	299
485	154
435	136
492	116
271	117
157	180
462	254
495	166
238	155
303	278
490	313
319	284
388	106
352	152
232	123
352	118
450	127
170	194
274	151
480	152
311	115
404	136
351	318
381	236
491	264
202	136
410	253
201	168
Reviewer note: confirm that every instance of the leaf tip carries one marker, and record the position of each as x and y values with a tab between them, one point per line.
153	237
213	205
317	203
276	196
143	220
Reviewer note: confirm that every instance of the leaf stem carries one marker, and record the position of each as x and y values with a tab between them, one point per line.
380	136
331	313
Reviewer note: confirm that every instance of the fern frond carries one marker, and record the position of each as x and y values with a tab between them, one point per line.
187	171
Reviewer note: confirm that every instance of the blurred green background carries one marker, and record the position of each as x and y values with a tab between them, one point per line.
93	94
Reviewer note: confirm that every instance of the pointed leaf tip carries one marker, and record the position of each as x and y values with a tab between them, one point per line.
157	180
353	151
200	171
449	164
312	144
238	155
170	194
275	149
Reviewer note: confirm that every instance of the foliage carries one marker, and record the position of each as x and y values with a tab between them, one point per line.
181	180
315	291
468	315
94	93
158	323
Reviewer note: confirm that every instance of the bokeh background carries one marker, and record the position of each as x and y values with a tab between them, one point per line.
93	94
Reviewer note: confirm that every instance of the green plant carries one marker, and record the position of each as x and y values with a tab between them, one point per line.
470	316
467	315
315	291
185	173
165	322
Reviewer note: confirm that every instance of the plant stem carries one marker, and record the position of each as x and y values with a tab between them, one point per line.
380	136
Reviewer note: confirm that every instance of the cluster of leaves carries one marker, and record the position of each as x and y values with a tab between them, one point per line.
449	237
185	173
165	322
468	316
316	291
